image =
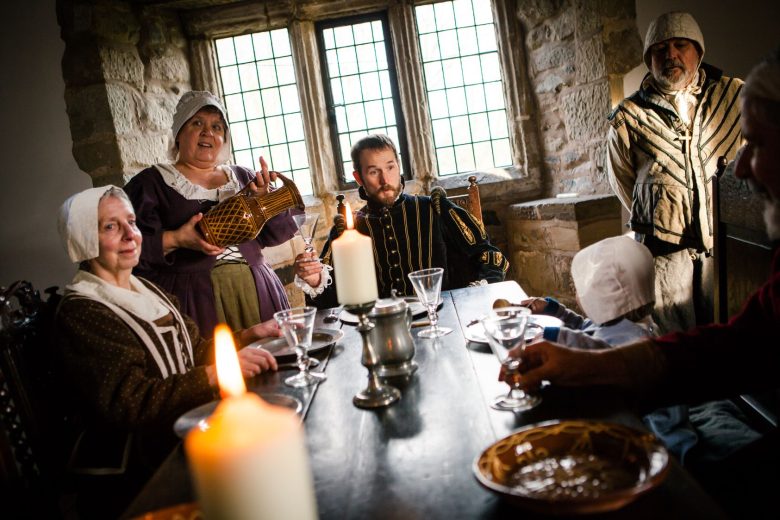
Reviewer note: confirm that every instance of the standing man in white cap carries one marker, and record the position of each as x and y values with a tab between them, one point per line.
663	145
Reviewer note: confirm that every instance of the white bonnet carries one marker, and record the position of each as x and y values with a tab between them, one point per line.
675	24
78	222
188	105
612	277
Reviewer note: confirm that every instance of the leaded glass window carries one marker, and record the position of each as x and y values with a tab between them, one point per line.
464	85
360	84
261	96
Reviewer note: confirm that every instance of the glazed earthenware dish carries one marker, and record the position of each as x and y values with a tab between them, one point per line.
574	466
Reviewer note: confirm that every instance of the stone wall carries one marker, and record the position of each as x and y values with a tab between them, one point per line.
124	69
578	51
546	234
127	63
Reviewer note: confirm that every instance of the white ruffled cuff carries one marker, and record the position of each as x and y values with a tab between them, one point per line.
325	280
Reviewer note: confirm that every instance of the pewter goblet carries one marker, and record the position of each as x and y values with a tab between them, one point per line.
377	393
297	325
505	330
427	285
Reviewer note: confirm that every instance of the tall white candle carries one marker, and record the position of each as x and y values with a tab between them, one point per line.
251	462
353	263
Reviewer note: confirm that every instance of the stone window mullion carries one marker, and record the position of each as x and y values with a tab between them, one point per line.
411	87
303	40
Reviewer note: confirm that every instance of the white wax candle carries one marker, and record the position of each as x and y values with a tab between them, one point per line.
251	462
353	264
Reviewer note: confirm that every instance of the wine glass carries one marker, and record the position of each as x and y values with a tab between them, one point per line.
297	325
505	330
307	225
427	285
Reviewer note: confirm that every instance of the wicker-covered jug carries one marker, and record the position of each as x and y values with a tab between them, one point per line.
242	216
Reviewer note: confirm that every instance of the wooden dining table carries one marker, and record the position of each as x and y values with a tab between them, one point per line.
414	459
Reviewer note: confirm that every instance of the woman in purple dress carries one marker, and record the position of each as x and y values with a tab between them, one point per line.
234	284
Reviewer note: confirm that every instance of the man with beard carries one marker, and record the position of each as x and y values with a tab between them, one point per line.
711	361
663	145
409	233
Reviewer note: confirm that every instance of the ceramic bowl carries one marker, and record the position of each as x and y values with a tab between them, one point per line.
573	466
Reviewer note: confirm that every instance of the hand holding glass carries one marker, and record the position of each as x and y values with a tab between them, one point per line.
505	330
297	325
427	285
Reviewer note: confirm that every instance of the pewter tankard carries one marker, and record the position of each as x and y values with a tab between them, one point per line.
391	337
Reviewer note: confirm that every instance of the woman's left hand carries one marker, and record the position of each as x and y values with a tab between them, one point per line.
264	329
254	360
263	179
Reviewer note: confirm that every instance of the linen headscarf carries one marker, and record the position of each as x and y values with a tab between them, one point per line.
613	277
78	222
189	104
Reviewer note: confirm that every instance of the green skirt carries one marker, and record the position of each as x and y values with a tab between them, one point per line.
235	295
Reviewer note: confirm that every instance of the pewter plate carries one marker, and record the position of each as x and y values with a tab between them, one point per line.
418	310
320	339
198	417
536	324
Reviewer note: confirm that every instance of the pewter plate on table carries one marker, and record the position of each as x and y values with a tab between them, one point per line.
199	417
418	310
320	339
536	324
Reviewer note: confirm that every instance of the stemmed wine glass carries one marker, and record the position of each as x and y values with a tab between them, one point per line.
505	330
307	225
427	285
297	325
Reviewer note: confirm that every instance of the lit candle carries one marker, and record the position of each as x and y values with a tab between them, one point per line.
250	462
353	262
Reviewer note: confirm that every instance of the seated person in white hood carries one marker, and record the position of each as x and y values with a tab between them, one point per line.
615	283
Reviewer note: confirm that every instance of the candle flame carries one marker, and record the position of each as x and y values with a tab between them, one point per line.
231	382
350	222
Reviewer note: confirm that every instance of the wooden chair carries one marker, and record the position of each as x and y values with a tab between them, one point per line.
469	201
762	409
34	427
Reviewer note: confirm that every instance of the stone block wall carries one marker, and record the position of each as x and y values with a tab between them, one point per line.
578	51
544	236
125	68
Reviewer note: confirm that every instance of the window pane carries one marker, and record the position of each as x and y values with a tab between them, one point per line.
360	86
239	135
262	43
230	83
425	19
244	51
257	135
442	135
483	12
248	74
459	54
253	105
272	102
285	72
226	54
460	130
362	33
266	70
445	17
261	97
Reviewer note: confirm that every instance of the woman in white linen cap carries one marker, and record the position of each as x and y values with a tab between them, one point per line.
134	360
233	285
